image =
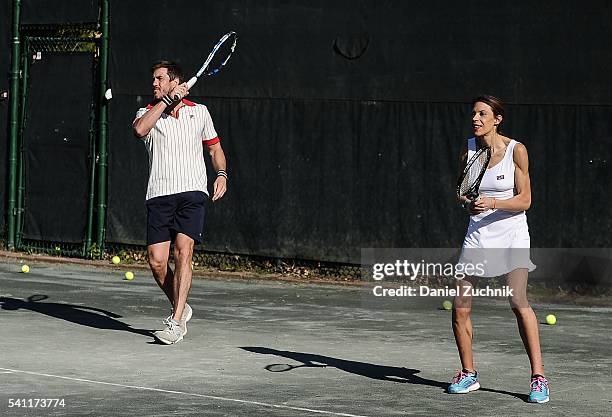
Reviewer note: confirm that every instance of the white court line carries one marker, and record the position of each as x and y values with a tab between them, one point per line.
212	397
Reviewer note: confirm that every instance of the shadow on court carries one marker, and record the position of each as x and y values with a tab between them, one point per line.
368	370
83	315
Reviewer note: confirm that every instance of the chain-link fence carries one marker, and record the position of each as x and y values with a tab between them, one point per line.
38	42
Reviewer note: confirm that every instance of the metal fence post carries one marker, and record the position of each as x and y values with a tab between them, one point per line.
103	125
14	123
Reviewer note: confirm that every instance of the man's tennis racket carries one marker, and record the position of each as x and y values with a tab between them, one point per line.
469	181
216	60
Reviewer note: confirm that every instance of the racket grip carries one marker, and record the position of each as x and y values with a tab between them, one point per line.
190	84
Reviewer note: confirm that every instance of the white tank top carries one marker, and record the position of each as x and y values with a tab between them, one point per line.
498	181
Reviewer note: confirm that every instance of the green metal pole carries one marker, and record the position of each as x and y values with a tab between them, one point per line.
22	121
103	126
92	183
14	124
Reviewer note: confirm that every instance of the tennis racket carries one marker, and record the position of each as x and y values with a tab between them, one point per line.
216	60
469	181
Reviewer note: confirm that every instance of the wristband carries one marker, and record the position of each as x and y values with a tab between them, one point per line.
222	173
166	99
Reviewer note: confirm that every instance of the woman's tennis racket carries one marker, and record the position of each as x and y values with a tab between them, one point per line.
469	181
216	60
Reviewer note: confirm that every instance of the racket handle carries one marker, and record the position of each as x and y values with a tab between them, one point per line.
190	84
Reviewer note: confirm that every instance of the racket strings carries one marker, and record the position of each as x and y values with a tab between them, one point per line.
220	55
476	168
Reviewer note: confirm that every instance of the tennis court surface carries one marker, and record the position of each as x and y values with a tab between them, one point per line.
82	335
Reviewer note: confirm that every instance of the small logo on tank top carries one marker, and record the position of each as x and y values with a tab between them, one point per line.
500	177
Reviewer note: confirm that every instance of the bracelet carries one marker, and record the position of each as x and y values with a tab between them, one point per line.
222	173
166	99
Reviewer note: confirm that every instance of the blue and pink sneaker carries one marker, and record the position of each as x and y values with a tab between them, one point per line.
464	382
539	390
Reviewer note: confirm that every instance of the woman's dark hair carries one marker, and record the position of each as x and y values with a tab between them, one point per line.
174	71
496	105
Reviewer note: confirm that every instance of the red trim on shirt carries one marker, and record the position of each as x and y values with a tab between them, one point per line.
211	142
185	102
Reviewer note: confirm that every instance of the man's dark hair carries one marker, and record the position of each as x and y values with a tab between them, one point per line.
174	71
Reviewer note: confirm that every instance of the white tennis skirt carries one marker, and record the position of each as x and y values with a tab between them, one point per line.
497	242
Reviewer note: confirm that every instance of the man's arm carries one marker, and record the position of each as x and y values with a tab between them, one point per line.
143	125
219	164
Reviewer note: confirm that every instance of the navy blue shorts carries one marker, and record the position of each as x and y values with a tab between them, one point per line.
169	215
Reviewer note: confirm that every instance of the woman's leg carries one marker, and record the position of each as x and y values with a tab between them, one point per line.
525	318
462	324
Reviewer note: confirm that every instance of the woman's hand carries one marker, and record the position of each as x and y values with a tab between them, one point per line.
482	204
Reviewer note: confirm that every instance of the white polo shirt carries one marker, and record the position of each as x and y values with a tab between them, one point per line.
176	155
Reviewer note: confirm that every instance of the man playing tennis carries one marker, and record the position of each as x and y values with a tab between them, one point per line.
174	131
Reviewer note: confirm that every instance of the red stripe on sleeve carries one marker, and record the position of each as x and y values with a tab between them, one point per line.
212	141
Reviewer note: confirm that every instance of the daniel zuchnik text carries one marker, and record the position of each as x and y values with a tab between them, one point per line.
425	291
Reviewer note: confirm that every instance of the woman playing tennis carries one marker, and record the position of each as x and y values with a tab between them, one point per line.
497	233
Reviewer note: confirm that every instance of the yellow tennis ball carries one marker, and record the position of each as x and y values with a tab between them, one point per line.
25	269
129	275
116	260
551	319
447	305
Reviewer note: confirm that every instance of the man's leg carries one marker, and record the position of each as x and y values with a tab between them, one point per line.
158	262
183	252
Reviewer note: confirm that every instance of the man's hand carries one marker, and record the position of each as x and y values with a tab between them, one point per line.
219	188
181	90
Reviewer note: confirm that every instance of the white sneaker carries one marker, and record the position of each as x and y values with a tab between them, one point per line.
185	317
171	334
